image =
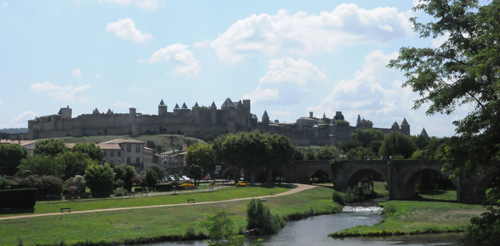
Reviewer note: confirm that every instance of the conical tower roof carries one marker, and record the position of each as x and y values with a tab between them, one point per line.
228	103
395	125
424	133
404	123
213	105
196	105
162	103
265	114
109	111
324	115
184	106
176	105
96	111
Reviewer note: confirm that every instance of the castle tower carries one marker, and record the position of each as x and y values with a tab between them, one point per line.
162	108
333	138
132	114
265	118
65	113
405	127
424	133
96	111
395	126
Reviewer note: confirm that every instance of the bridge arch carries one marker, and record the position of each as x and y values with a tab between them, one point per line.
411	181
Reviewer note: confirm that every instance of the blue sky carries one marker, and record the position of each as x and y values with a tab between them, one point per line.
288	57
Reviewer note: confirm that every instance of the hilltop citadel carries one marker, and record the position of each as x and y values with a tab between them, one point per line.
199	122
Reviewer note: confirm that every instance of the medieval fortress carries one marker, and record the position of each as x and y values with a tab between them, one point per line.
198	122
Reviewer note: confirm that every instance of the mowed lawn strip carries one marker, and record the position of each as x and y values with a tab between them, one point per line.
218	195
415	217
117	226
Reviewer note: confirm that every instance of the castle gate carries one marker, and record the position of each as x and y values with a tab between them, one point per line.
401	176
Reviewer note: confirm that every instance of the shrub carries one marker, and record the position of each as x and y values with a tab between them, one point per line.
100	180
389	210
162	187
151	178
49	187
338	198
19	198
121	192
119	183
259	217
5	183
351	194
79	182
126	173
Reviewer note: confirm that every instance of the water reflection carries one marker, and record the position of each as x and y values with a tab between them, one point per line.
314	231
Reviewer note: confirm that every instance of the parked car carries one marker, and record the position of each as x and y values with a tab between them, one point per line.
186	178
206	178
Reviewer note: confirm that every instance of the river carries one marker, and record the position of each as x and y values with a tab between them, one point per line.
314	231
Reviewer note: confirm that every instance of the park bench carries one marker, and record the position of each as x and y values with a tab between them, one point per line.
191	201
65	209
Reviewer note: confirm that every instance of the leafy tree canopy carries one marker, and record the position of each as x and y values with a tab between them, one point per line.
199	157
75	163
366	136
41	165
92	150
10	158
397	143
51	147
100	179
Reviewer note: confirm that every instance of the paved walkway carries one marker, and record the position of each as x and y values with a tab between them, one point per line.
295	189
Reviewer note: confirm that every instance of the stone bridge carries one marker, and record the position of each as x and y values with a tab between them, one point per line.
401	176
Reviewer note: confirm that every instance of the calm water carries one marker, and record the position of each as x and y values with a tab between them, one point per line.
314	231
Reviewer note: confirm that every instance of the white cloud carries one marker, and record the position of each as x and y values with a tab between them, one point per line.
134	88
77	72
5	5
262	94
23	116
97	76
287	81
436	43
177	55
67	92
306	34
143	4
125	29
300	72
124	105
201	44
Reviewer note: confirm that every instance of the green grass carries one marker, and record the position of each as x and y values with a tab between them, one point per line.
167	141
443	195
153	223
80	205
379	187
414	217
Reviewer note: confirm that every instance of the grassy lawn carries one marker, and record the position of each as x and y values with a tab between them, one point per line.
79	205
153	223
413	217
379	187
443	195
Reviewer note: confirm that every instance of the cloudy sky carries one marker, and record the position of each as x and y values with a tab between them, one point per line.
288	57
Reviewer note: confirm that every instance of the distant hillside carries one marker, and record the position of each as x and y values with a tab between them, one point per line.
167	142
14	130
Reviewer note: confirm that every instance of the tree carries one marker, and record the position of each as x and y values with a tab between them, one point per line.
41	165
92	150
151	178
366	136
221	230
462	70
126	173
199	158
75	163
327	153
259	217
51	147
281	152
361	153
160	171
397	143
10	158
100	179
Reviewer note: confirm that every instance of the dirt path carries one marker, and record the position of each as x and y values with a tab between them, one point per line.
295	189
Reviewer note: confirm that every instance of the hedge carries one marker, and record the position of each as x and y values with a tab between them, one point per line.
18	198
164	187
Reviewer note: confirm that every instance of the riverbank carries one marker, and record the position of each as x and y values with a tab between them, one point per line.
153	224
417	217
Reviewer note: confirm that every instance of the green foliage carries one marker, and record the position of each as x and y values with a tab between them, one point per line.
199	158
338	197
361	153
4	183
342	123
49	187
41	165
327	153
93	151
125	173
78	181
259	217
18	198
366	136
160	171
397	143
75	163
352	195
10	158
350	144
51	147
120	191
151	178
221	231
100	179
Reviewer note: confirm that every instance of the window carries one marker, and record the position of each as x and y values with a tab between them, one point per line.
128	148
119	153
111	153
137	160
128	160
138	148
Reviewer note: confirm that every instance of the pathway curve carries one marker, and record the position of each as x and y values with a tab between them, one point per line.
295	189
